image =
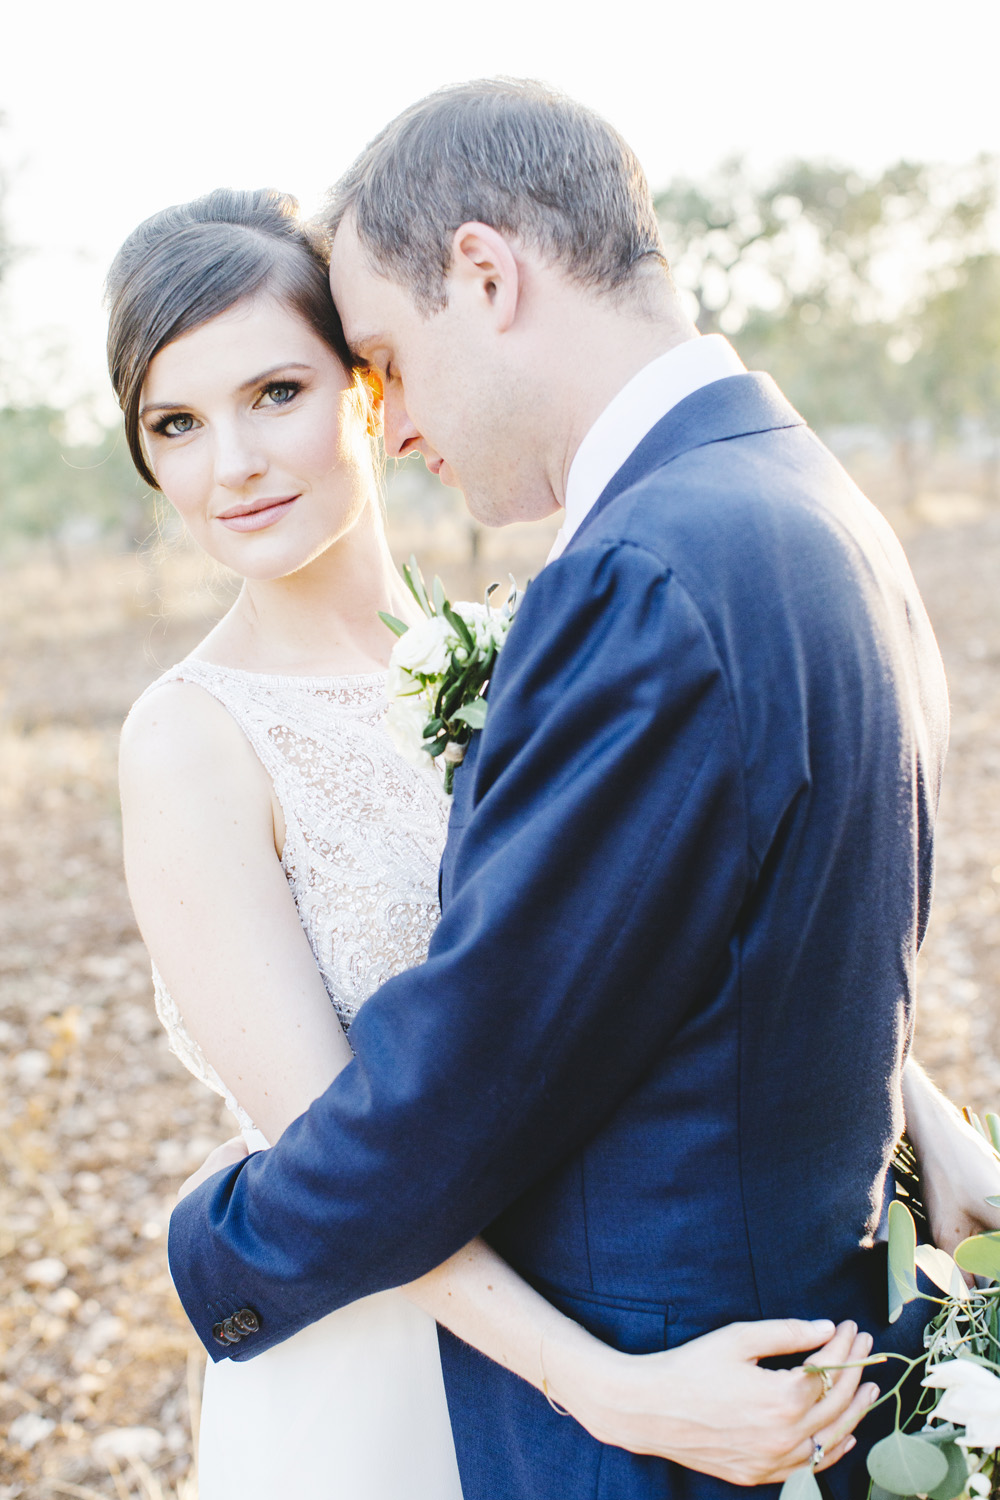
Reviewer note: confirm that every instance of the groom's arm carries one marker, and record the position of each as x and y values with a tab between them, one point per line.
595	889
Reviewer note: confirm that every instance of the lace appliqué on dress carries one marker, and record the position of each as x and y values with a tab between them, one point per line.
364	833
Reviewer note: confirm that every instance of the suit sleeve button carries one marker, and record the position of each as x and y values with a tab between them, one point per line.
219	1334
246	1320
231	1331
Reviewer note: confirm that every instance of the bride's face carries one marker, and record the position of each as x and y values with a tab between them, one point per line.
256	435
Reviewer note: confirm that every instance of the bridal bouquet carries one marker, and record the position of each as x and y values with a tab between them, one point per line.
440	669
949	1447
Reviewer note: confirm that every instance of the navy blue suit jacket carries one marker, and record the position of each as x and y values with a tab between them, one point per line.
655	1049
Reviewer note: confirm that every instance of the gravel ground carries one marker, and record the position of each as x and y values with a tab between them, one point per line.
98	1373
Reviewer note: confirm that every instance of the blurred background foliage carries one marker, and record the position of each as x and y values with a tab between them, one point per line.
874	300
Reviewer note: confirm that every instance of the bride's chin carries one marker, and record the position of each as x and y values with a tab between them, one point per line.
284	565
260	560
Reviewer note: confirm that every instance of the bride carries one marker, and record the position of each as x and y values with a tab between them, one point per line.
282	861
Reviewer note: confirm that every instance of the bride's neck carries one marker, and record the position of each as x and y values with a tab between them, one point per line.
321	620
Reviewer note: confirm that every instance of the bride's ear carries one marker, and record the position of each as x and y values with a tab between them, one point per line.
370	385
373	380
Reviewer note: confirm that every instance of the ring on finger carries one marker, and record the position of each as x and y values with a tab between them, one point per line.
817	1454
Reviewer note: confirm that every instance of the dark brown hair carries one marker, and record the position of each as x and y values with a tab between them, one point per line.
189	263
510	153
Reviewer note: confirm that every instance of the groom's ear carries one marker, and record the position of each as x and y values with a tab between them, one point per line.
484	265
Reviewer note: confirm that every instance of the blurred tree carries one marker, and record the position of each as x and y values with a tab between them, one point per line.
822	275
958	359
55	487
61	491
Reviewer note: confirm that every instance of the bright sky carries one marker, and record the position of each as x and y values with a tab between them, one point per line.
115	108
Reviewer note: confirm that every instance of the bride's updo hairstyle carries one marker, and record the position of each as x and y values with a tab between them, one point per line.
189	263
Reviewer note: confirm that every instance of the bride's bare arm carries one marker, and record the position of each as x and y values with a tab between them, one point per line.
215	909
705	1404
216	912
960	1170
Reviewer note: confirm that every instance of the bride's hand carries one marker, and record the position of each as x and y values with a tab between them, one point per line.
226	1155
959	1170
708	1406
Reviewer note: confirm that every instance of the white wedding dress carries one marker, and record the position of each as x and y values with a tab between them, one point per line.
353	1407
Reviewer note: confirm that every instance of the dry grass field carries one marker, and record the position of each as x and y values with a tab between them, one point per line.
99	1376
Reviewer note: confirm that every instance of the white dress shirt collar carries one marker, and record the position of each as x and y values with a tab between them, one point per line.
633	413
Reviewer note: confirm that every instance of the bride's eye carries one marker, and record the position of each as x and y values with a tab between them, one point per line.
175	424
279	393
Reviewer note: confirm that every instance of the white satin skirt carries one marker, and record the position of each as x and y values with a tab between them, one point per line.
351	1408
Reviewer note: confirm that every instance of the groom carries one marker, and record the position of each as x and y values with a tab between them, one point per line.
657	1046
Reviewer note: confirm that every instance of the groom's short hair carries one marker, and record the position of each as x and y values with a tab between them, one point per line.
507	152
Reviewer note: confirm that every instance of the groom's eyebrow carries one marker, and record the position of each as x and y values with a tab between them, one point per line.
361	345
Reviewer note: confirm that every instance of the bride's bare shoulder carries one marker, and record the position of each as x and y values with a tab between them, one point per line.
180	736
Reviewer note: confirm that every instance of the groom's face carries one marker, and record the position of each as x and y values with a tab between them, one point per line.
446	394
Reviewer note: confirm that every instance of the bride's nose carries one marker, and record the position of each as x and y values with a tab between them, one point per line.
239	455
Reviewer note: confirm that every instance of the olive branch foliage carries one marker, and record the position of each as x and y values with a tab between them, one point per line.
926	1455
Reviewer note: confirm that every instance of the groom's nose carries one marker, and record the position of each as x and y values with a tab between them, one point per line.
400	435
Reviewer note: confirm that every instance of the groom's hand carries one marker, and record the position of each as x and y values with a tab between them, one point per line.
708	1406
226	1155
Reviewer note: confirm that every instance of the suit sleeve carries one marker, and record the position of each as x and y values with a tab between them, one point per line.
595	888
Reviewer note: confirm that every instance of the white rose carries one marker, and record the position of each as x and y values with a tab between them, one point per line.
971	1400
488	626
405	720
425	648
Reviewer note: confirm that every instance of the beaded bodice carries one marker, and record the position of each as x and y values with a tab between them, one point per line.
363	832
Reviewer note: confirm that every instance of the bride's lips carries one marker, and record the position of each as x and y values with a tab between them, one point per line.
257	514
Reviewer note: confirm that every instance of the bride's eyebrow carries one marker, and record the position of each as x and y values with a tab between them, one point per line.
247	385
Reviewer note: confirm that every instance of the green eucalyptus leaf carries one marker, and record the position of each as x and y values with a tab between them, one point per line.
902	1260
993	1126
979	1359
801	1484
439	599
907	1465
980	1255
459	626
451	696
994	1200
473	714
954	1481
876	1492
414	580
395	625
946	1432
938	1266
